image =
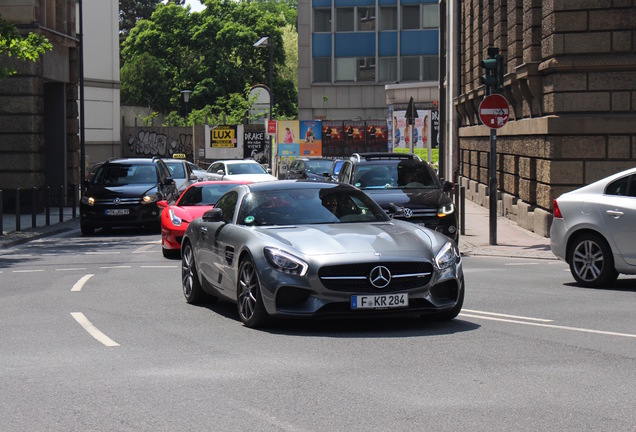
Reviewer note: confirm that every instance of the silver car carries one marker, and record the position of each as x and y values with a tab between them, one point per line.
307	249
594	229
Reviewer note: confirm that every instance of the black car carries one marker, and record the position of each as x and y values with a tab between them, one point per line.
406	186
304	168
125	192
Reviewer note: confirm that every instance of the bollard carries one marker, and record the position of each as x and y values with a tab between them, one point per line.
73	201
47	205
456	198
62	203
34	206
463	210
17	210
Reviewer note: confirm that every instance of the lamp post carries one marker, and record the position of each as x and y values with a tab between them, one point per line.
186	99
268	42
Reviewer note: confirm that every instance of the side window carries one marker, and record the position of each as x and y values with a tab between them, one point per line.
294	165
227	203
162	171
345	172
618	187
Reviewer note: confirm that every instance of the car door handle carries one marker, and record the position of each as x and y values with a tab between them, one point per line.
204	232
615	213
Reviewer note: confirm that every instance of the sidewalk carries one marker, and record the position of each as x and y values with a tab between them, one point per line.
512	241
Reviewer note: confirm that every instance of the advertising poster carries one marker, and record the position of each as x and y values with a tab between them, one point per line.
435	129
333	138
310	138
254	146
223	136
354	137
377	136
422	130
286	155
288	132
400	131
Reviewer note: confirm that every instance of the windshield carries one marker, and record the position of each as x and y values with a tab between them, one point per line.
204	195
319	166
309	206
245	168
396	176
123	174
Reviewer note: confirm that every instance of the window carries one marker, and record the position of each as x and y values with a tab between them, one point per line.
366	69
430	65
227	204
387	69
411	17
322	69
430	16
366	19
622	187
344	19
388	18
345	69
410	68
322	20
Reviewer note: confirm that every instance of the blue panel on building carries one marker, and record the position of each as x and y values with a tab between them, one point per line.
343	3
321	45
387	44
387	2
355	44
420	42
321	3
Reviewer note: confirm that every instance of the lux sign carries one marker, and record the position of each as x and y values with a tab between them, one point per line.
223	136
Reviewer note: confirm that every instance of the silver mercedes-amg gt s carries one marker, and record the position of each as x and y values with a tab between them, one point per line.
310	249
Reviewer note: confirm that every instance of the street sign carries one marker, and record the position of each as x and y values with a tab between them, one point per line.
494	111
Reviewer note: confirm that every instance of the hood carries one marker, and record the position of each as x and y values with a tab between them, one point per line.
189	213
384	237
128	191
412	198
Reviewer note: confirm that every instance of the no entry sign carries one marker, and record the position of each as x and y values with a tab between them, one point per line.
494	111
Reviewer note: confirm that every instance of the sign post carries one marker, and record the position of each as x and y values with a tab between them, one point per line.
493	112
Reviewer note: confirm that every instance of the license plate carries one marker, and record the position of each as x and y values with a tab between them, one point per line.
117	212
381	301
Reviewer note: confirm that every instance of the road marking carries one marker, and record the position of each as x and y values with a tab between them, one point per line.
506	316
115	267
143	249
80	283
71	269
27	271
577	329
159	266
92	330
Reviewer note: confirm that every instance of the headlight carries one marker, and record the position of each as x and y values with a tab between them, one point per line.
445	210
447	256
284	262
149	199
176	220
88	200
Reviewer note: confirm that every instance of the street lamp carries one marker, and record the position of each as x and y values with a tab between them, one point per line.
268	42
186	99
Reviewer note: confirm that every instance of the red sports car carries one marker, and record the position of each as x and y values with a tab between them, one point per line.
194	201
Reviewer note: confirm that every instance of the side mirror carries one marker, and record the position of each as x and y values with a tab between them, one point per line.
193	177
169	181
162	204
213	215
395	210
220	172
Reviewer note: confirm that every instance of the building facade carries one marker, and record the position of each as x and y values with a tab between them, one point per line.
39	143
570	80
349	51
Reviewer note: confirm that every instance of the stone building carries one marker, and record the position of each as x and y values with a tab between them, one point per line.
570	80
39	142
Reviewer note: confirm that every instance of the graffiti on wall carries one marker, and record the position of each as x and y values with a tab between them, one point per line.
150	143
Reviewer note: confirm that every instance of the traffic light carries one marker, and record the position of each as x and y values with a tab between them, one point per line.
493	70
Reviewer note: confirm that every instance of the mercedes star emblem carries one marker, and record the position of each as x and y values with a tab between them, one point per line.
380	277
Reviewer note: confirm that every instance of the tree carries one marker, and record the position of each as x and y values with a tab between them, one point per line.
24	48
130	12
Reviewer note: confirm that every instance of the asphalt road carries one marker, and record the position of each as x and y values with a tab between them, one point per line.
96	336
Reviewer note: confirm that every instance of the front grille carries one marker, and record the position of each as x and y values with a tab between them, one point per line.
354	278
123	201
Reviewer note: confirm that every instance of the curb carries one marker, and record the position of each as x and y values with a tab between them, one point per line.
15	238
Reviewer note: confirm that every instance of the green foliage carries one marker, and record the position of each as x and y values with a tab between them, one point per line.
209	52
131	11
24	48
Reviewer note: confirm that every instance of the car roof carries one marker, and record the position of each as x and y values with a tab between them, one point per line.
146	161
361	157
296	184
233	161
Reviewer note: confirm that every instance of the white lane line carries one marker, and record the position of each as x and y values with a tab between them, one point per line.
71	269
159	266
577	329
80	283
115	267
506	316
102	253
143	249
92	330
27	271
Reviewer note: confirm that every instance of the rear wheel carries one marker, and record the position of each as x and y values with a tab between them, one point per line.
192	290
248	296
591	261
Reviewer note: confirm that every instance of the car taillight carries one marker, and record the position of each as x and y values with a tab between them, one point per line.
557	212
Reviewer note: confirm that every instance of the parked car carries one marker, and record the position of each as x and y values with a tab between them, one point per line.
593	229
246	170
125	192
197	170
193	202
407	182
308	249
181	173
304	168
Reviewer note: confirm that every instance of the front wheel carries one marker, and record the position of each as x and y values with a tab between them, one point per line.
87	230
591	261
248	296
449	314
192	290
